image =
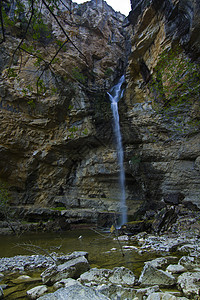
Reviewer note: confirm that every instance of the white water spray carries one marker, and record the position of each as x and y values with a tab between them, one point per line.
117	94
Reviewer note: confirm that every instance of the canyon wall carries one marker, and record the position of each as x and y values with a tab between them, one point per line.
57	149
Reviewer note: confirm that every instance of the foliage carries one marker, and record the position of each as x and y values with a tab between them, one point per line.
108	72
30	21
135	160
78	75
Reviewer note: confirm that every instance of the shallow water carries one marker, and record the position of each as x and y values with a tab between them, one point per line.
97	244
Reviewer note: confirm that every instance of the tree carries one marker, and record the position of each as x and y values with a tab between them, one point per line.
30	21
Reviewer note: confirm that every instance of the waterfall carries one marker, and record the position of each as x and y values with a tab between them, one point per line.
115	95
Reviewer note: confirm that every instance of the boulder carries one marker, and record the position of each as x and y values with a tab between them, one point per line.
153	276
122	276
189	262
161	296
114	291
119	275
189	284
36	292
72	268
99	276
145	292
75	292
162	262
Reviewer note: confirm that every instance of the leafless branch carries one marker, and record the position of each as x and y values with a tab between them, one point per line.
63	30
25	33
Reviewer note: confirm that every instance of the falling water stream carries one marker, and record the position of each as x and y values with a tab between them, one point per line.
115	95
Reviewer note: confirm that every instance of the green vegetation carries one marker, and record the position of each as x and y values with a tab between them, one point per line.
78	75
176	80
108	72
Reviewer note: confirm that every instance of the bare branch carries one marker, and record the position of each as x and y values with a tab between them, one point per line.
63	30
49	64
24	36
35	249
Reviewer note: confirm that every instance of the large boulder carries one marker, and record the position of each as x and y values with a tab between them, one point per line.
189	284
72	268
153	276
119	275
75	292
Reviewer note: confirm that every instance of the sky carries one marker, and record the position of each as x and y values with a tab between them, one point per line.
123	6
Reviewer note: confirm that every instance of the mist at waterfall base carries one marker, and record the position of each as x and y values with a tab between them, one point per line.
115	94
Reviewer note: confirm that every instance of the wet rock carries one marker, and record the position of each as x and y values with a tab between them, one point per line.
153	276
174	198
76	292
72	268
36	292
164	219
189	284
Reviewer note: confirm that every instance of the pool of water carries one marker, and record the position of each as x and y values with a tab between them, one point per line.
104	251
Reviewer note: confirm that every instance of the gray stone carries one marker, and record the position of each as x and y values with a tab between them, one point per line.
141	293
99	276
114	291
161	262
153	276
72	268
1	293
189	284
119	275
36	292
75	292
122	276
161	296
175	269
189	262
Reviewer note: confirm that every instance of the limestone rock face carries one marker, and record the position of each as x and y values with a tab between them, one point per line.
57	148
163	158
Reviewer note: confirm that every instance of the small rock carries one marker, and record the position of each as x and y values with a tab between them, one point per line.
76	292
36	292
175	269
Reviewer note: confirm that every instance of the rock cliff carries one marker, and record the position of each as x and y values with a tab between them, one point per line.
57	148
162	103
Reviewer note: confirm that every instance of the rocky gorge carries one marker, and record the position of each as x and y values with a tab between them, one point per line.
58	149
58	165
